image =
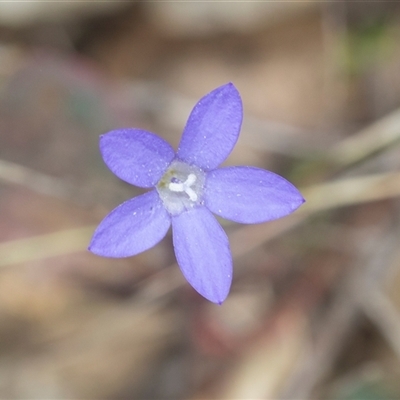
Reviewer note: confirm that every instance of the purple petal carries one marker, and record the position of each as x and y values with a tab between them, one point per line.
212	129
250	195
132	227
135	156
203	254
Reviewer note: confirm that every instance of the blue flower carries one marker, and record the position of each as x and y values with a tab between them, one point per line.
187	188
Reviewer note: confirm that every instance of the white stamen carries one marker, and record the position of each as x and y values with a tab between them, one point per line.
185	187
191	193
176	187
181	187
190	180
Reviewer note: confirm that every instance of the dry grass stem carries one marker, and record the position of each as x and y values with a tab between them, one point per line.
37	181
368	141
351	191
44	246
320	197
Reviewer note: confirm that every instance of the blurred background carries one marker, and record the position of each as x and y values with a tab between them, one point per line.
314	307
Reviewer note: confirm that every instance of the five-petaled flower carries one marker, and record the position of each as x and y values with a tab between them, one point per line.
187	188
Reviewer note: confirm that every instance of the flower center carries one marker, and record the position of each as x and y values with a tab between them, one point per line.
181	187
